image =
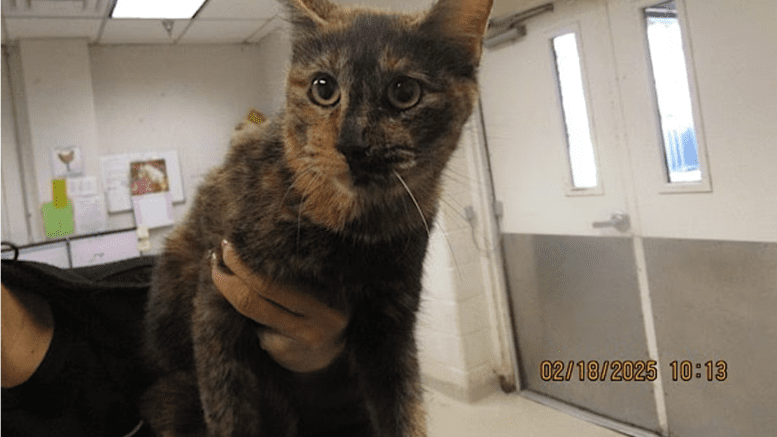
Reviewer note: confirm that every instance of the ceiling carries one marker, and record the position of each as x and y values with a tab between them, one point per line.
219	21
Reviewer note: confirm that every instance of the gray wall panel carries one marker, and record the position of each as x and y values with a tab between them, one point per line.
717	301
577	298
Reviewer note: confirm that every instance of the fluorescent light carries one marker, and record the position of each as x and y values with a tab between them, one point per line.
170	9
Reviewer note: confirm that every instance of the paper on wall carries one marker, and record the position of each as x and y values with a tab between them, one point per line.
81	186
89	212
153	210
115	172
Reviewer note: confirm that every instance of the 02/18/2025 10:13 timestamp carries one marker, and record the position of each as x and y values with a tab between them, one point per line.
630	370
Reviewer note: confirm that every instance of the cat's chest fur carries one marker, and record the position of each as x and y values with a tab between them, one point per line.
252	201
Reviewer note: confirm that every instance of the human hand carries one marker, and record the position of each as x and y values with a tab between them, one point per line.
304	336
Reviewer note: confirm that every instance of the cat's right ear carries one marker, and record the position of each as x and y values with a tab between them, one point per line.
310	15
464	21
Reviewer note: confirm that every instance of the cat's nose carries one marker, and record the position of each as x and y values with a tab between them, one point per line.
365	165
351	142
361	161
353	151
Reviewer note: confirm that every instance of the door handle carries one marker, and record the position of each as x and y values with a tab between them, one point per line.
618	220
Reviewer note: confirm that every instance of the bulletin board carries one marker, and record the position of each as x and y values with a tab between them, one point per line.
117	178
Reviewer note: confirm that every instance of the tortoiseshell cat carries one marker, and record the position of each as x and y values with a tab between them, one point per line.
332	197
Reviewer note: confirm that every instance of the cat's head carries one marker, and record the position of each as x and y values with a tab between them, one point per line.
376	102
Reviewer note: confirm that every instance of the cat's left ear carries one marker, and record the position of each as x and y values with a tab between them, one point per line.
462	20
308	15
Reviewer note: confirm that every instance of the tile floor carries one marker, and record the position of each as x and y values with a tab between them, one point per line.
503	415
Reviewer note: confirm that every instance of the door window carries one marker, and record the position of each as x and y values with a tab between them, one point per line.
582	159
673	95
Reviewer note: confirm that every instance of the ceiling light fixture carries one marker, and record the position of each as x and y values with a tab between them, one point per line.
164	9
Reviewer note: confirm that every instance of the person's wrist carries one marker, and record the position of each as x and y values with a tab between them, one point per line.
298	357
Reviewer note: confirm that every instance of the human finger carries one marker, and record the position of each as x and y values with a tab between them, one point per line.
248	302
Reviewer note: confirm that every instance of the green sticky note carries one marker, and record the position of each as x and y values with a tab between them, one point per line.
58	221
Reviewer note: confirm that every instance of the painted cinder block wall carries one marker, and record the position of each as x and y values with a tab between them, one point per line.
455	332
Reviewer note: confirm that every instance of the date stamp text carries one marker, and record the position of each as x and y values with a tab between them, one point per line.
631	370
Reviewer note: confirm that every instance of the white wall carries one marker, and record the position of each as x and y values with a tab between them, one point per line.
275	53
52	86
186	98
128	98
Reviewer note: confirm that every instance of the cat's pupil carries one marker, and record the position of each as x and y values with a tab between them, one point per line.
404	93
324	90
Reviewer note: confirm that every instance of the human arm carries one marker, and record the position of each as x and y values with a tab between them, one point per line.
27	331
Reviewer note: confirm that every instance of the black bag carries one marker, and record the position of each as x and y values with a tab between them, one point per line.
93	374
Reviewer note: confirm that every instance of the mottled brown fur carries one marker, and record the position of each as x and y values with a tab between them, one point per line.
334	201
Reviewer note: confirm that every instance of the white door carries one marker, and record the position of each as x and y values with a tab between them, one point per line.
687	283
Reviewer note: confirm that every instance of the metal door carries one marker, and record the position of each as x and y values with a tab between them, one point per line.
615	279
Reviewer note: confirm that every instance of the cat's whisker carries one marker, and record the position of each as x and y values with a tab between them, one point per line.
299	221
293	184
415	202
426	225
456	209
452	171
459	178
288	190
407	164
453	253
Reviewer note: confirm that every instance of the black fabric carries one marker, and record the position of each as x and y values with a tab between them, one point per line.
89	382
91	379
331	402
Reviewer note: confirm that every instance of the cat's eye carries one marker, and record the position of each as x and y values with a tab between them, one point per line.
404	92
324	90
